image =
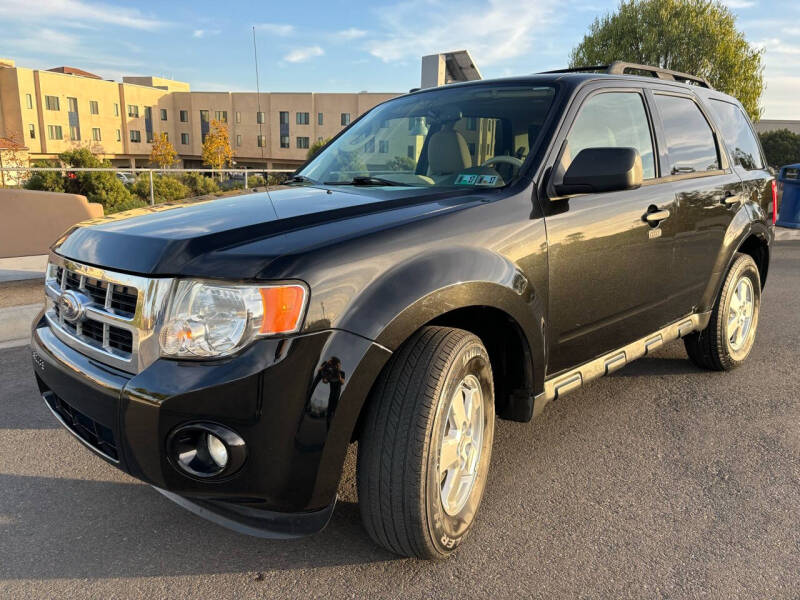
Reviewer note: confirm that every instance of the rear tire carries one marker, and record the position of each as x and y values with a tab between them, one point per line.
728	339
424	451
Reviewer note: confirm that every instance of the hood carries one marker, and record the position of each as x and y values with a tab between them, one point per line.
201	239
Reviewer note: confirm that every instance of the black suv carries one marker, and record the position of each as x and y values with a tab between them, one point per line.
455	255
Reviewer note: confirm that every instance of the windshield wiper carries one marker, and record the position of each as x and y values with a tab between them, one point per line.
365	180
299	179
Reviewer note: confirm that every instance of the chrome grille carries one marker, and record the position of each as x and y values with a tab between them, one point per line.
119	317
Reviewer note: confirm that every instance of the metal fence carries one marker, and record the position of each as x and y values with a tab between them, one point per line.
24	172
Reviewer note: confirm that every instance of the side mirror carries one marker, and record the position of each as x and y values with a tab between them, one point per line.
597	170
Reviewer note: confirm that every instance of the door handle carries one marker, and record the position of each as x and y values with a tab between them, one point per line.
656	216
730	199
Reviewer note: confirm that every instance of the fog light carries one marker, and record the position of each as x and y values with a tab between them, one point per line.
217	450
206	450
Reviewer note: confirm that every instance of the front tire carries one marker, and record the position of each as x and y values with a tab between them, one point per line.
424	452
727	341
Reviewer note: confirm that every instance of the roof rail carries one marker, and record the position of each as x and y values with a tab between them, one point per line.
619	67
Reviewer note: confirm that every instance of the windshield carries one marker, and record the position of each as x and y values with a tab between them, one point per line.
473	136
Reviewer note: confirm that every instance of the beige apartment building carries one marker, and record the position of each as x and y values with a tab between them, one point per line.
51	111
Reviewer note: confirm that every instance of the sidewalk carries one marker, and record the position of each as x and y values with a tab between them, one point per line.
22	267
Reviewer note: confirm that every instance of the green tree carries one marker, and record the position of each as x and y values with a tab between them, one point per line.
316	147
781	146
693	36
401	163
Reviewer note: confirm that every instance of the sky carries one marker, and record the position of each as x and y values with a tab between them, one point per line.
344	46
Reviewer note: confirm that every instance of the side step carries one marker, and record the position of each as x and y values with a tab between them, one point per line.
573	379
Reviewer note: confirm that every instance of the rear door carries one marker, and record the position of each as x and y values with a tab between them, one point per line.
609	269
744	151
707	192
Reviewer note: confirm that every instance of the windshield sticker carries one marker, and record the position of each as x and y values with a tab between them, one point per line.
466	179
486	180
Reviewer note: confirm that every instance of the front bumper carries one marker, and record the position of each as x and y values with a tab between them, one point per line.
296	431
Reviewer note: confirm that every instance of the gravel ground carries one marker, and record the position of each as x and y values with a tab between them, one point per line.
16	293
659	481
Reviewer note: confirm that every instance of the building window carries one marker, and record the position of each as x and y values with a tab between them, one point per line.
116	109
410	152
262	141
319	119
96	134
369	147
472	123
74	133
383	146
94	109
221	116
51	103
259	117
302	118
302	142
136	135
184	116
163	114
133	110
238	116
184	138
238	139
119	135
345	119
54	132
28	101
31	131
284	117
284	141
471	148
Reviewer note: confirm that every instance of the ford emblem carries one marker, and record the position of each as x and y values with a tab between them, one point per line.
71	305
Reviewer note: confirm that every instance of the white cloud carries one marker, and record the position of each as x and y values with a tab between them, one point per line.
738	3
492	32
201	33
76	13
276	28
780	97
351	34
778	46
303	54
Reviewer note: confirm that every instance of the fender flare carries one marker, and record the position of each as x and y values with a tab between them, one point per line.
741	227
432	284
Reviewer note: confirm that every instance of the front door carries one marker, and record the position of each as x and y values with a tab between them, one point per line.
609	268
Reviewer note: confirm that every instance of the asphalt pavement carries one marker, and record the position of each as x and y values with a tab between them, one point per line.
661	481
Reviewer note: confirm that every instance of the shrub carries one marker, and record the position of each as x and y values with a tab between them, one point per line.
781	146
199	184
256	181
102	187
166	188
47	181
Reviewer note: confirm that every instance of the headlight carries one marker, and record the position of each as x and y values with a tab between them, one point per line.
208	320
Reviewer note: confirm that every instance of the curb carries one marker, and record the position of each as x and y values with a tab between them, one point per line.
15	323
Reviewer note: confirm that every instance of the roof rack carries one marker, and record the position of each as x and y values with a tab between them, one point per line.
619	67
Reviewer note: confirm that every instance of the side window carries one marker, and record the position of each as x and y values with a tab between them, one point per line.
690	141
612	120
738	134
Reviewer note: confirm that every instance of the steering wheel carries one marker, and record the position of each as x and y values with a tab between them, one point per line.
503	158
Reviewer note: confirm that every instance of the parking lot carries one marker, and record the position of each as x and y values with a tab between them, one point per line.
660	481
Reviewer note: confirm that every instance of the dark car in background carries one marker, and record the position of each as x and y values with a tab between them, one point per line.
454	256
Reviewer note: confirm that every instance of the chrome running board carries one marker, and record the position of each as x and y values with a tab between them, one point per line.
561	384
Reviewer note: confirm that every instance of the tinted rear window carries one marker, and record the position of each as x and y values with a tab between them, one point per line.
739	137
690	141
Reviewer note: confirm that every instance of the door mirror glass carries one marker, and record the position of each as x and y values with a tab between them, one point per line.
597	170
